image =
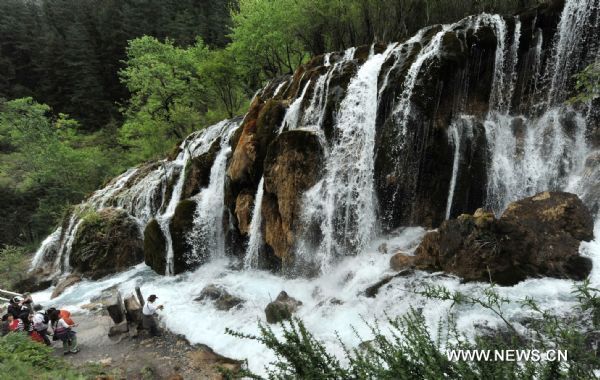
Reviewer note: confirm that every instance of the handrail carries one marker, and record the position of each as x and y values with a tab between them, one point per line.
7	292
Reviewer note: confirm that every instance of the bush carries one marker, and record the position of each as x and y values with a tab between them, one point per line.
23	358
13	264
408	351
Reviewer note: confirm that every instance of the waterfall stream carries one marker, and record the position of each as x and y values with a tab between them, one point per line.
529	144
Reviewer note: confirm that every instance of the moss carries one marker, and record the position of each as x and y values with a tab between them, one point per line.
106	241
155	247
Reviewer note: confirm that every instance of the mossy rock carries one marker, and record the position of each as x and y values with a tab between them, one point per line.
155	247
180	227
106	242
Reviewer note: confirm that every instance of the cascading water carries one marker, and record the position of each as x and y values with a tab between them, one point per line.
346	205
255	240
207	236
542	150
458	134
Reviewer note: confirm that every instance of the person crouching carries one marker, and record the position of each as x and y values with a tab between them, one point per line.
63	331
148	315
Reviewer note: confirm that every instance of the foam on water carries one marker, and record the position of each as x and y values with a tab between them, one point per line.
200	322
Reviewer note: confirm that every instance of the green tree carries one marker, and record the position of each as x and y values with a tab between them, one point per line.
168	96
49	157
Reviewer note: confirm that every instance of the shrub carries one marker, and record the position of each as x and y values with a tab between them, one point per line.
408	351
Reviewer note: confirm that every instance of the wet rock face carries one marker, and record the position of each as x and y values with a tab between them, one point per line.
197	172
282	308
221	298
180	227
155	250
293	165
106	242
537	236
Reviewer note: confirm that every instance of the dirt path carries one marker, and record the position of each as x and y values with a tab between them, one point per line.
136	355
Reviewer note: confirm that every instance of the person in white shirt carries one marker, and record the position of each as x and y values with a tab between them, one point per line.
40	324
64	331
148	315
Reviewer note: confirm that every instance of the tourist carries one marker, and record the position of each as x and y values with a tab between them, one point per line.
148	315
40	322
4	329
15	324
63	331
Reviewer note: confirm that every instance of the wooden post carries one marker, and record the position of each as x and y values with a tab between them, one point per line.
139	296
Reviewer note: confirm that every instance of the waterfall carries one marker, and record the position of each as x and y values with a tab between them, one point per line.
569	44
164	220
292	115
50	244
454	139
403	108
313	116
255	240
546	152
207	236
345	204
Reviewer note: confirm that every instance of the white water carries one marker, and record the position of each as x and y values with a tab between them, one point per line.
255	240
343	200
568	45
527	155
50	244
207	235
454	139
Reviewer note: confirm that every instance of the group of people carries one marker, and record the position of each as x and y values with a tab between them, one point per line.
23	316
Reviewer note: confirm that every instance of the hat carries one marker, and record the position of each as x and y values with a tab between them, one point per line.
15	300
152	297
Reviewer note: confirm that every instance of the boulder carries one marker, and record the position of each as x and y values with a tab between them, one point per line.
155	247
244	206
293	165
537	236
197	172
133	309
282	308
372	290
106	241
180	227
112	301
401	261
63	284
221	298
118	329
34	281
205	360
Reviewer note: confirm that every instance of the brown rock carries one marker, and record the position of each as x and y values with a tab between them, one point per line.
282	308
292	166
197	172
244	205
402	261
107	241
63	284
133	309
536	236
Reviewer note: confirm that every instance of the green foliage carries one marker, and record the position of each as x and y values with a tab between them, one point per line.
66	53
408	351
23	358
173	91
47	156
588	84
273	37
13	264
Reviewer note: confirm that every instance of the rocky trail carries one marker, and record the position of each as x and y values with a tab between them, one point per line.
137	355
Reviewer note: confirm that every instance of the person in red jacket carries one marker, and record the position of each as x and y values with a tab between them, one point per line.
15	324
